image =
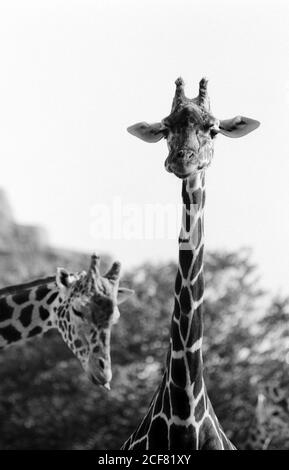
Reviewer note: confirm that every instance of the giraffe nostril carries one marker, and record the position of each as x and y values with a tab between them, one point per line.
101	363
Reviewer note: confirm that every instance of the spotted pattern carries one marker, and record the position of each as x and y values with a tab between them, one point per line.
26	313
80	305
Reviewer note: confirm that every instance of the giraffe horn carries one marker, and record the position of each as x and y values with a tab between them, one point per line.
94	266
114	272
203	96
179	93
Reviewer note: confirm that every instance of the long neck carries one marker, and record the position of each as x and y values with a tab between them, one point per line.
27	312
187	321
180	415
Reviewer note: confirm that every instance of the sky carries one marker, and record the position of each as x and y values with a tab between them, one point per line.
76	74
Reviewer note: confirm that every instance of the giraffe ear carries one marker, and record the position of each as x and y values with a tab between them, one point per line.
123	294
148	132
238	126
63	278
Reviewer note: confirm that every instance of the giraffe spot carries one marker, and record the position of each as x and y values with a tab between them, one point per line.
178	283
197	389
197	233
52	298
35	331
178	372
177	311
25	316
22	297
61	311
198	263
176	339
180	402
78	343
200	409
62	325
185	300
96	349
10	334
186	197
69	333
184	324
44	313
182	437
195	365
158	434
41	293
188	221
185	258
166	403
94	336
198	288
195	332
6	311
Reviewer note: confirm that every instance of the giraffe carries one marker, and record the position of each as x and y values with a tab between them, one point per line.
181	415
269	427
81	306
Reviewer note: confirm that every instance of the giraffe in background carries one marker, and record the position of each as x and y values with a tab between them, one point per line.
82	306
180	415
269	428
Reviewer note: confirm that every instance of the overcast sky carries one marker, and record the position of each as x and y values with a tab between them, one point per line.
75	74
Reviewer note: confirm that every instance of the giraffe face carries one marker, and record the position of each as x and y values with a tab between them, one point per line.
190	130
87	315
189	133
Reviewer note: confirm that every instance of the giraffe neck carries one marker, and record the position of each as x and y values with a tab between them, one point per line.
28	311
187	322
180	415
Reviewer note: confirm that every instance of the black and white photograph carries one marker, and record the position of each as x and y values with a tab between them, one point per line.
144	232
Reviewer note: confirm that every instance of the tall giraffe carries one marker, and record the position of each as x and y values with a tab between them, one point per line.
180	415
82	306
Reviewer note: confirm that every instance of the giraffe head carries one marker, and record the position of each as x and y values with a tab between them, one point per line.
86	316
270	422
190	130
